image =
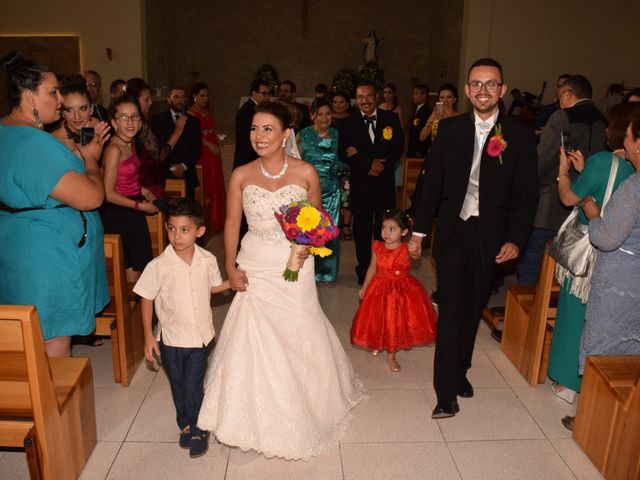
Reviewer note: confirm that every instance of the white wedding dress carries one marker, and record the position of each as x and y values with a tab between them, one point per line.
280	382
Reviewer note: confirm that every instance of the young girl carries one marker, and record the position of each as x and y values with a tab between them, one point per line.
396	312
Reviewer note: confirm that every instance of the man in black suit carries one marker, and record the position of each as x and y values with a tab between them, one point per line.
486	197
94	87
417	148
371	142
244	152
288	95
181	162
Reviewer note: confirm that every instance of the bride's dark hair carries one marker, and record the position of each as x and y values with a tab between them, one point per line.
278	110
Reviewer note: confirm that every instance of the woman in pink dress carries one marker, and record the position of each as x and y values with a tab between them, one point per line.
210	157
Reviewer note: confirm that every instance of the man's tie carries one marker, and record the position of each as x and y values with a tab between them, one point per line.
368	120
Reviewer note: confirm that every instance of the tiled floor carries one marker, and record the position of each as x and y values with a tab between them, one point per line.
509	430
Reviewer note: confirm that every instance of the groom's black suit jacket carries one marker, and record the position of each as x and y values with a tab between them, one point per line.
354	132
508	194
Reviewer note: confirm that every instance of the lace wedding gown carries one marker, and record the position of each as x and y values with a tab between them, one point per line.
280	382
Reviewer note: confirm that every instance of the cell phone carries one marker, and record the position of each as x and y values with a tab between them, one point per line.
565	141
86	135
439	108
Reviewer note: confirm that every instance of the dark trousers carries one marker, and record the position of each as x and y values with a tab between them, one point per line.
185	368
464	286
367	209
531	258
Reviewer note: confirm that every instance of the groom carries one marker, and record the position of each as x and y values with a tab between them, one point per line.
370	142
482	183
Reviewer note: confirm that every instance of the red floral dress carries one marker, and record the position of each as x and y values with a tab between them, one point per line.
396	312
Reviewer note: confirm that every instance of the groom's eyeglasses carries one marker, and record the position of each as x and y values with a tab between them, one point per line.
491	86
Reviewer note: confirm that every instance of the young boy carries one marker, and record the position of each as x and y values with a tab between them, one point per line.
180	282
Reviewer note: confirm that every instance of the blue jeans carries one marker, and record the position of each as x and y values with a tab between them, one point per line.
531	258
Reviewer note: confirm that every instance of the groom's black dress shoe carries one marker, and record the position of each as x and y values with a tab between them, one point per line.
465	390
445	409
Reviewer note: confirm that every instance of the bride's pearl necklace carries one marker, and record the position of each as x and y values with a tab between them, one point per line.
278	175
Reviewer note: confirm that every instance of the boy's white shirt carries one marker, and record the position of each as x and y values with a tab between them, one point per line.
181	294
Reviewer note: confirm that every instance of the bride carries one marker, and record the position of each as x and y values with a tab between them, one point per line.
280	382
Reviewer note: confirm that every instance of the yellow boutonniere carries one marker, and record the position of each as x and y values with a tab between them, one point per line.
416	122
387	133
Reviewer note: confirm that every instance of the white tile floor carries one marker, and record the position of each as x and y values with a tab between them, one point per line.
509	430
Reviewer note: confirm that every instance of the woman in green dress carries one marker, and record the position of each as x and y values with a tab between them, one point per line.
318	145
591	181
51	240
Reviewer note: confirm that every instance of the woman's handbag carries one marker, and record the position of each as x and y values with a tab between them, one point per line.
572	250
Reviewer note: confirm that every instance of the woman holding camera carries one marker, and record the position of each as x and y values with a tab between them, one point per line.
51	248
78	125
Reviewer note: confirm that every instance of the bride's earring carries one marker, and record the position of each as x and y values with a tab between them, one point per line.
284	143
38	122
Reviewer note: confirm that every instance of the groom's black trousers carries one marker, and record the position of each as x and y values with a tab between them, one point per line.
465	280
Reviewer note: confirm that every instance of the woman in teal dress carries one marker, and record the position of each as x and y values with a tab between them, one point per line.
318	145
591	182
51	240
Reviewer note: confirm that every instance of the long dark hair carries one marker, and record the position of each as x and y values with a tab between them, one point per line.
394	89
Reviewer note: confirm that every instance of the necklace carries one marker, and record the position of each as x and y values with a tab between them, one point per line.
278	175
128	142
71	135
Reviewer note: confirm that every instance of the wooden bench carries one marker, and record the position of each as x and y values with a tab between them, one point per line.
202	192
528	324
410	173
157	232
122	315
47	404
175	188
607	424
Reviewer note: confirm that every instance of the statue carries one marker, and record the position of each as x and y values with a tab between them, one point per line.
371	44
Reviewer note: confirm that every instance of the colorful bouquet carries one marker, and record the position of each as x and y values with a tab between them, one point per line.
306	226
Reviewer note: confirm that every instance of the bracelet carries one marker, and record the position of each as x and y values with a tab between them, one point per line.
561	175
136	206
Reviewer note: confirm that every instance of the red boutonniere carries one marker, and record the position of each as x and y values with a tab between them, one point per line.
387	133
497	144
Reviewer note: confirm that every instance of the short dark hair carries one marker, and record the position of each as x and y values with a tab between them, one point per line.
564	76
321	88
367	83
290	83
74	84
278	110
122	99
176	87
197	87
615	88
22	74
618	120
635	122
93	72
343	94
487	62
255	85
451	87
319	102
137	85
579	85
115	84
423	87
186	207
401	218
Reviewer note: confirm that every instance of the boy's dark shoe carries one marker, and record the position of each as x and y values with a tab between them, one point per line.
185	437
199	444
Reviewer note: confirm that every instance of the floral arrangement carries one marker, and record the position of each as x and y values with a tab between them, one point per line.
305	225
497	144
268	74
387	133
371	72
345	80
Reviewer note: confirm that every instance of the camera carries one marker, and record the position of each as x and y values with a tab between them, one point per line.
565	141
86	135
440	108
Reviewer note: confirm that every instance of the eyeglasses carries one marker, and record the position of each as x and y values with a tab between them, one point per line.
123	117
83	240
491	86
93	84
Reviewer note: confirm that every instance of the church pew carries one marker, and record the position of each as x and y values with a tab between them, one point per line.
157	232
410	173
528	324
202	193
175	188
123	313
607	423
47	404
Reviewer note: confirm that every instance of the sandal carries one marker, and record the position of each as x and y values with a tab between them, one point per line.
344	234
564	393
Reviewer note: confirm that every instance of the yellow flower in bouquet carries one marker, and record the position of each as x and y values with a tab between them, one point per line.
308	218
320	251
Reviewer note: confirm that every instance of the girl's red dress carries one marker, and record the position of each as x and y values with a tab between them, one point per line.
212	172
396	312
